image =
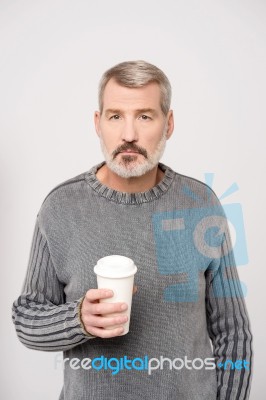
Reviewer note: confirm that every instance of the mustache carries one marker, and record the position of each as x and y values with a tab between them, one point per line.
130	146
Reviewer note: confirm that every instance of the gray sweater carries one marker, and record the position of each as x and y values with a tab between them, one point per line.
189	334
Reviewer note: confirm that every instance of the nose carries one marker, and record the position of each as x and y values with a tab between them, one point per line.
129	133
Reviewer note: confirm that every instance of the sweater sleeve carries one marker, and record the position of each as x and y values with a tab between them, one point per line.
228	325
42	318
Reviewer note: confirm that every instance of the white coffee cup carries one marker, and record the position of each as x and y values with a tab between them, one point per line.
117	273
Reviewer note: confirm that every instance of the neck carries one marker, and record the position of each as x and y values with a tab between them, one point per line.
129	185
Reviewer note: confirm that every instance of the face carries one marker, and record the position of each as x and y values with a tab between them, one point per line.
132	128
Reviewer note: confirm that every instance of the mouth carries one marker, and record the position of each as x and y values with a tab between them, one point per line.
129	152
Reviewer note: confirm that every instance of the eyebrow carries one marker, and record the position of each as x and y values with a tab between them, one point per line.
112	111
146	110
138	111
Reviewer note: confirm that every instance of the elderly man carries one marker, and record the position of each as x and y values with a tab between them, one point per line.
189	332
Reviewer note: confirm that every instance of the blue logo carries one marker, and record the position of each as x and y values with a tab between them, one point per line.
188	241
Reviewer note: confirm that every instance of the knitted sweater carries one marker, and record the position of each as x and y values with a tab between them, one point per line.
189	335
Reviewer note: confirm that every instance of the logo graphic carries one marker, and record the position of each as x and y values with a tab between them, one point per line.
188	241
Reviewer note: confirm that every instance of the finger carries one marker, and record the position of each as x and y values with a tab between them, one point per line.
106	308
105	333
105	322
97	294
135	289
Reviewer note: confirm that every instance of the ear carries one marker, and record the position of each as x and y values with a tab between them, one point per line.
97	117
169	124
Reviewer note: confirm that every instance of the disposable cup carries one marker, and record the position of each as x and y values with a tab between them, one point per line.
117	273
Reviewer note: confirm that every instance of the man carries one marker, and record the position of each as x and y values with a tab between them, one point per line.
189	332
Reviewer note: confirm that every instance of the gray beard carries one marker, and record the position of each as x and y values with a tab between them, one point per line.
129	168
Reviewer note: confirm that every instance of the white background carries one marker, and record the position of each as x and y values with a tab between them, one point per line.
53	53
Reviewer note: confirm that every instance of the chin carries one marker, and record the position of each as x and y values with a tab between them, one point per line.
127	171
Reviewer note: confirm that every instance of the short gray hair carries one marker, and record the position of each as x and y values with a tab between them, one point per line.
135	74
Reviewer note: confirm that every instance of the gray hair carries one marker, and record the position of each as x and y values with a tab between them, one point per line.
135	74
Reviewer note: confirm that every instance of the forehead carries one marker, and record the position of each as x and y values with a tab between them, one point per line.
121	97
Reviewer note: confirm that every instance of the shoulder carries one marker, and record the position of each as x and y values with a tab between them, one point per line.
194	184
66	186
193	192
63	197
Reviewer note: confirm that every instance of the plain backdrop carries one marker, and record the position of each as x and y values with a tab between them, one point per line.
52	55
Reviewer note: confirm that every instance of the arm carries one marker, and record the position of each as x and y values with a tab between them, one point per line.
42	318
228	325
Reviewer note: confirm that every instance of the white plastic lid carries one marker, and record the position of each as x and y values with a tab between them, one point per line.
115	266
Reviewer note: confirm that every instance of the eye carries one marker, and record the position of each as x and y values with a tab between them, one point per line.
115	116
144	117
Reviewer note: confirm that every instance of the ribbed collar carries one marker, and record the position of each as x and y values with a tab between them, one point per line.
130	198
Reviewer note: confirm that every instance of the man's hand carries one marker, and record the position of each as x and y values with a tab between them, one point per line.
92	312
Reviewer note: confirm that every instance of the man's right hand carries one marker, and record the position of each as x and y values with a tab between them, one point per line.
94	314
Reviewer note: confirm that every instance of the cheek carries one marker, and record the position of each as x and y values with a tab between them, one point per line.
154	137
110	131
109	141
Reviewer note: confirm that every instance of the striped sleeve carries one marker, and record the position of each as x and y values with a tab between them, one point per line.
228	326
42	318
